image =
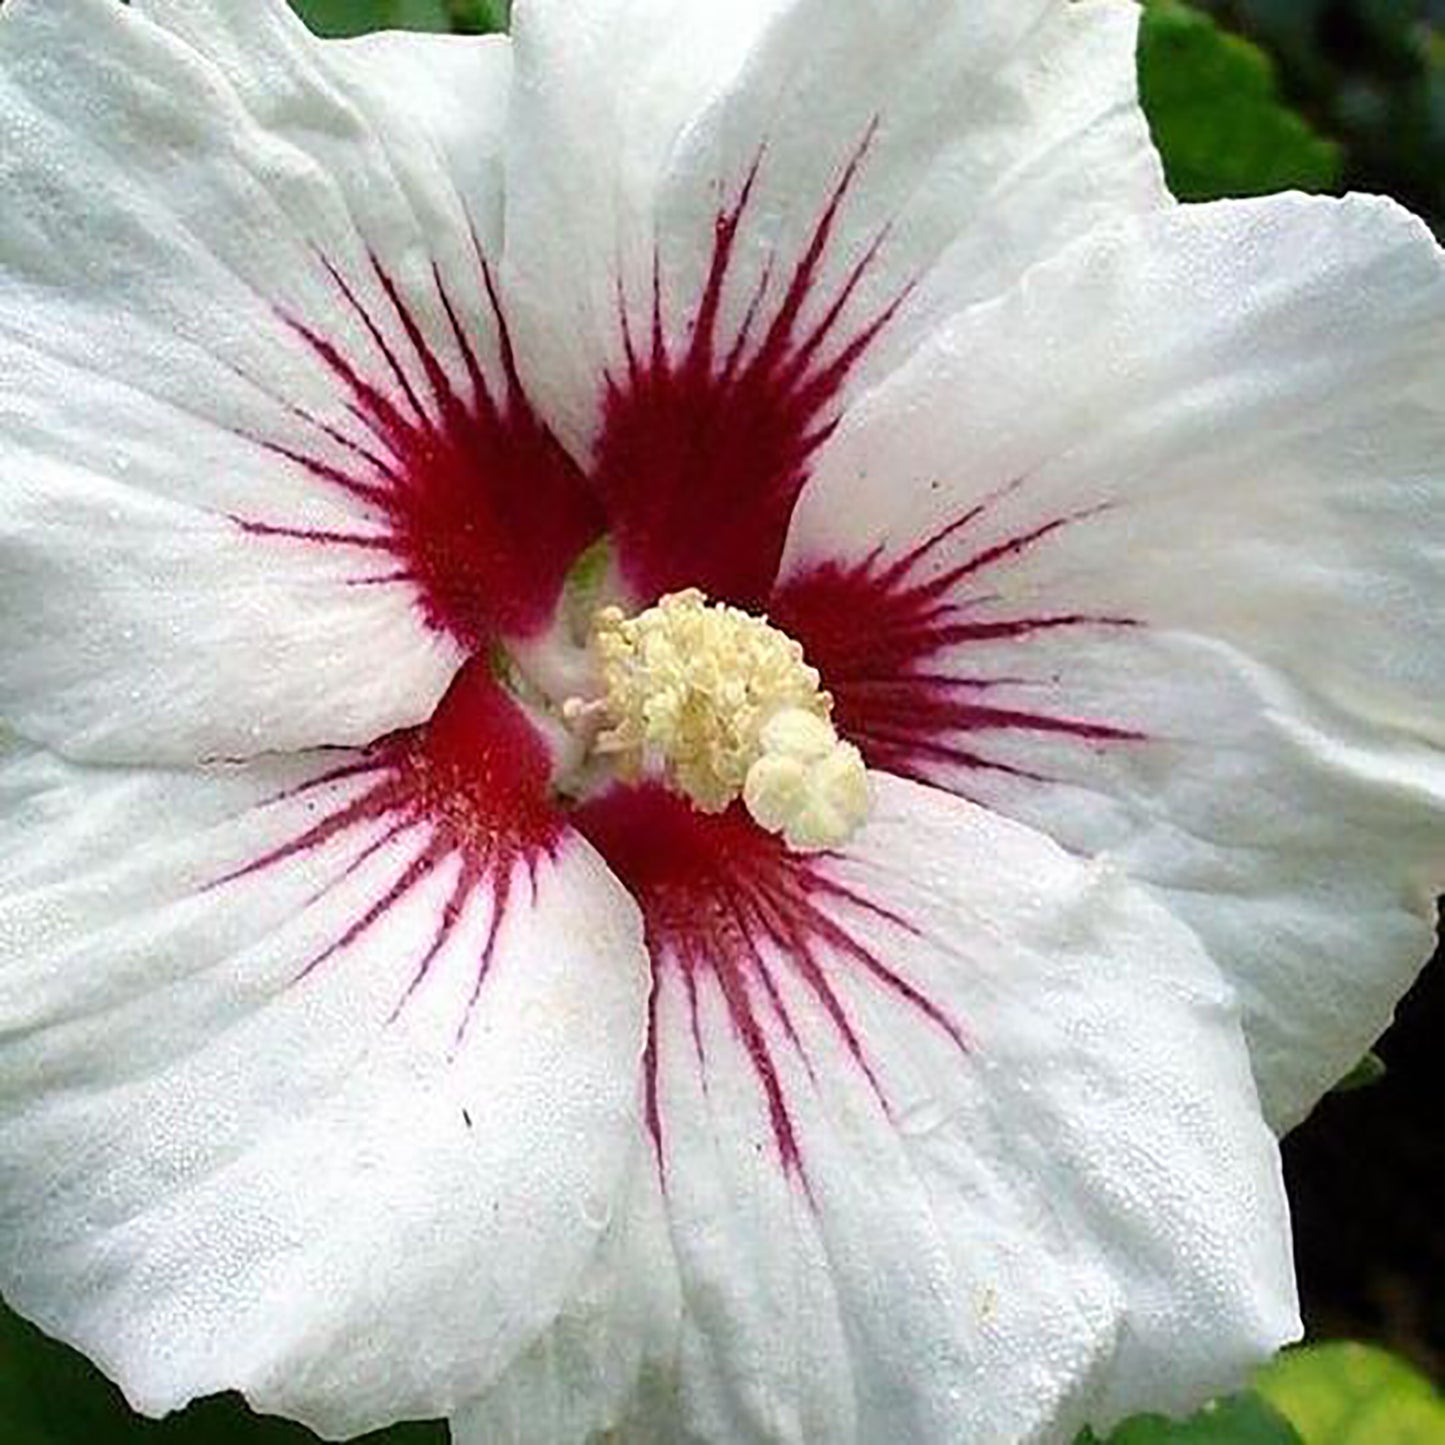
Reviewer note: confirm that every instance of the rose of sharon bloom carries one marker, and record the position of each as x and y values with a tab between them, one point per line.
471	512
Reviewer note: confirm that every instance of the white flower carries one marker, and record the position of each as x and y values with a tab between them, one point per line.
376	1041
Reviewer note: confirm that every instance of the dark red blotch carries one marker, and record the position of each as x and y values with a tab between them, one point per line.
469	789
473	501
706	445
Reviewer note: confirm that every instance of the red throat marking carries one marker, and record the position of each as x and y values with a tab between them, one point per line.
889	638
472	501
704	450
706	444
469	788
727	907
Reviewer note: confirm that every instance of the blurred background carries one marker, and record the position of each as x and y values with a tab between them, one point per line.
1246	97
1368	75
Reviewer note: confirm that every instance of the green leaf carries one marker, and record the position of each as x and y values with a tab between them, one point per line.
479	17
1239	1420
49	1395
1216	113
1348	1394
356	17
1370	1070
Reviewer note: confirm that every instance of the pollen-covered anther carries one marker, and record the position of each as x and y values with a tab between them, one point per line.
725	706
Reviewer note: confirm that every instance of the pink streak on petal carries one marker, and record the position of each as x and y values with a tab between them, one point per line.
727	906
705	449
474	505
466	791
884	634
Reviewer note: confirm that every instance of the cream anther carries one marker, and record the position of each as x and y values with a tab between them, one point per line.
807	785
725	706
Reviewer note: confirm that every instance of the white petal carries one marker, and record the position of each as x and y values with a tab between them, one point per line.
596	1367
1150	553
228	524
957	1135
323	1091
412	87
779	177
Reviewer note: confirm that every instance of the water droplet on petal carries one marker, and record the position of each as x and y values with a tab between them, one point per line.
922	1119
596	1211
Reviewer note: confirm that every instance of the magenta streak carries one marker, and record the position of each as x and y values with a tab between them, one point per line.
652	1105
379	844
378	543
795	944
733	981
368	404
471	785
381	579
883	635
365	491
749	918
442	391
880	971
501	893
419	416
695	1016
779	1009
416	872
466	492
725	903
319	834
368	458
446	926
706	446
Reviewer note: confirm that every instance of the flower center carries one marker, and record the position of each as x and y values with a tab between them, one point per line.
722	706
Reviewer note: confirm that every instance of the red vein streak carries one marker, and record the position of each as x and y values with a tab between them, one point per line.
726	905
466	791
707	442
890	639
466	494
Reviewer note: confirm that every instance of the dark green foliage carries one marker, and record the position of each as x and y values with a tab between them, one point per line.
1217	115
478	17
1370	1070
356	17
1352	1394
1372	74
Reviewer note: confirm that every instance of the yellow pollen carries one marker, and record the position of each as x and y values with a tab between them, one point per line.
725	705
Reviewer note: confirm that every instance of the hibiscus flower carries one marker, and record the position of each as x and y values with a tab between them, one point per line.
471	512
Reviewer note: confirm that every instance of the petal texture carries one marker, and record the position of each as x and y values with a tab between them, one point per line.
261	429
722	220
1149	553
320	1075
597	1369
957	1138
